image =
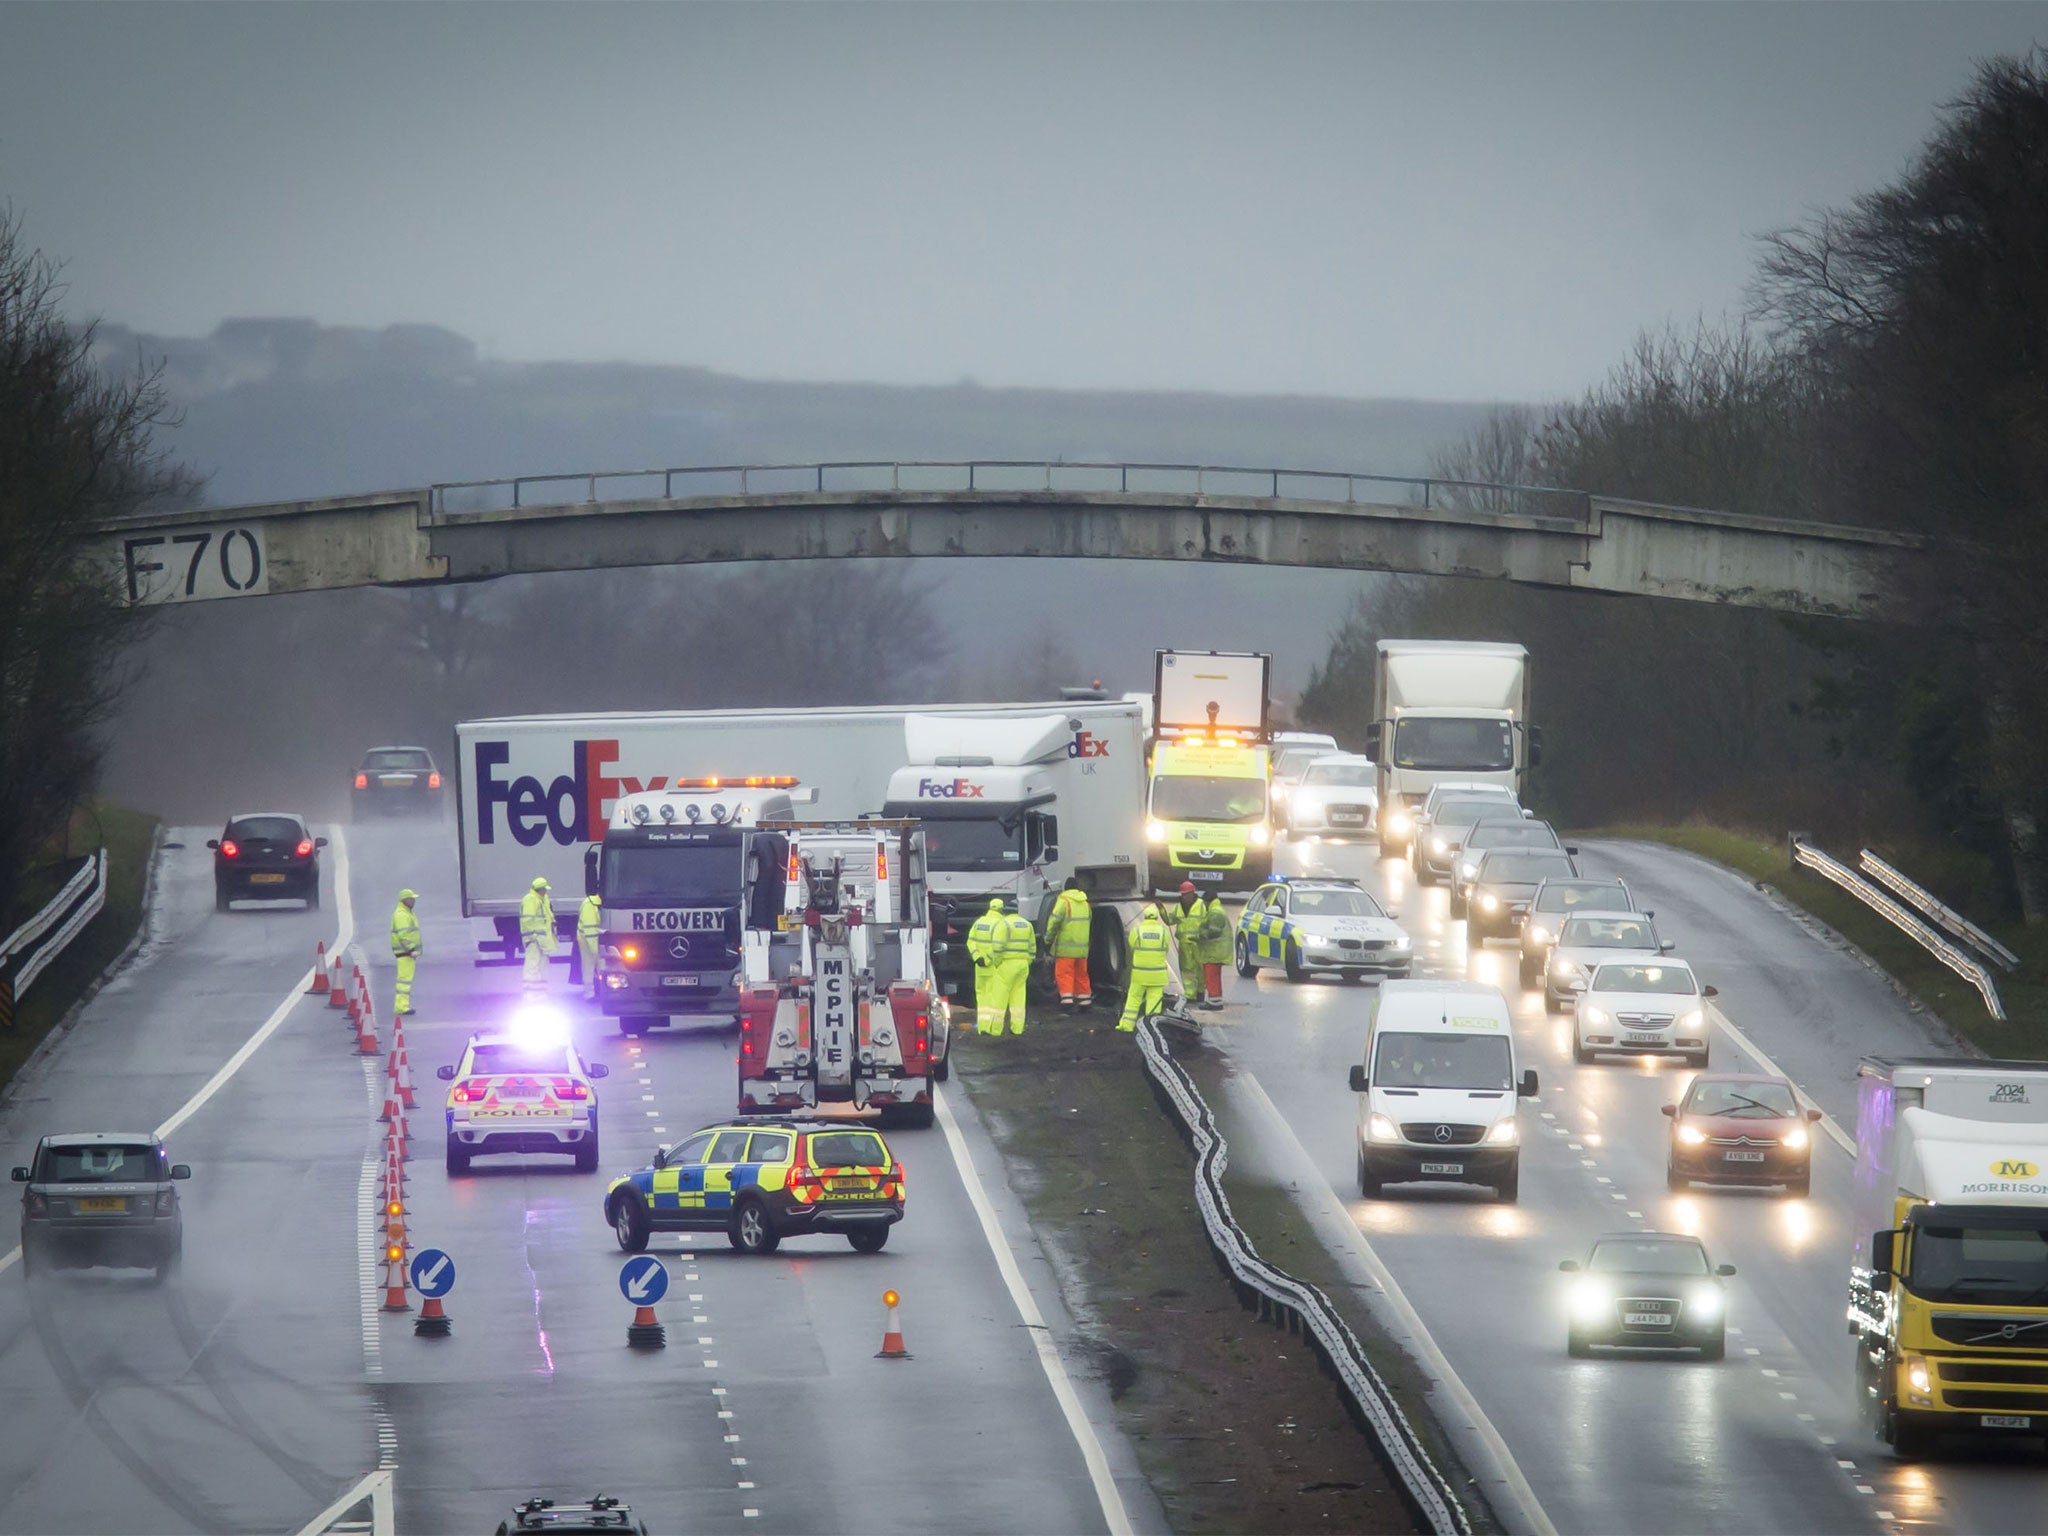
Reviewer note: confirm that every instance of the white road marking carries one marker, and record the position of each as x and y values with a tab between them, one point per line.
1826	1122
376	1487
1106	1491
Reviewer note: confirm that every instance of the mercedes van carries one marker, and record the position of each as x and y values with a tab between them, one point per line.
1440	1088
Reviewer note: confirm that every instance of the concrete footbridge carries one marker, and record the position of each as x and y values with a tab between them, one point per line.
478	530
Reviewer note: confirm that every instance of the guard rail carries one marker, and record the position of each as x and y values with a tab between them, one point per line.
1906	921
1957	925
1296	1305
31	947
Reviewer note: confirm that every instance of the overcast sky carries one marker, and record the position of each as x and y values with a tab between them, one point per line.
1440	201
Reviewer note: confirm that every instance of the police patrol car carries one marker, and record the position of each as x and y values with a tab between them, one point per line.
1305	925
524	1089
761	1180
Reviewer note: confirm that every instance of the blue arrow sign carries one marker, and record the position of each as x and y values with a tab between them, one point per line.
433	1273
643	1281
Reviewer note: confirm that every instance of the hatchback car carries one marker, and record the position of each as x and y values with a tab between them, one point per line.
395	781
1503	885
522	1090
1320	925
266	855
1585	940
1484	839
1650	1290
761	1180
1441	833
102	1198
1654	1006
1735	1128
1552	903
1336	797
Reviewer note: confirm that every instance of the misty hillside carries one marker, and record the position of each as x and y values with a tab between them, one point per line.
280	410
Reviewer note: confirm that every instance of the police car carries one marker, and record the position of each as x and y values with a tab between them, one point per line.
1305	925
523	1089
760	1180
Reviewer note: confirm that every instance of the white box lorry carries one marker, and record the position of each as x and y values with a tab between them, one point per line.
1948	1283
1446	709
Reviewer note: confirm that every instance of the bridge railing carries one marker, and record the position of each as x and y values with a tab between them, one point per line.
993	477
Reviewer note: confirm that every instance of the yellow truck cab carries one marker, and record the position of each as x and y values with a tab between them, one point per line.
1209	813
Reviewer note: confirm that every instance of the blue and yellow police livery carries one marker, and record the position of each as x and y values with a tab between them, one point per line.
761	1180
1305	925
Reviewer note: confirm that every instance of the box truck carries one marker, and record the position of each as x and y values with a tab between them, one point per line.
1948	1283
1455	710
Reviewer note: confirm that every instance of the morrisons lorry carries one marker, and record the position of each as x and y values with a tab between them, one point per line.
1948	1285
1453	710
1209	816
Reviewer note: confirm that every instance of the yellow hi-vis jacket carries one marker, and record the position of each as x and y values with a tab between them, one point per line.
985	940
1066	931
537	919
1151	938
589	920
405	931
1020	939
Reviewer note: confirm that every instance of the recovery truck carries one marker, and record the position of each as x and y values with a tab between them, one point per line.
837	999
1948	1285
1209	814
1446	710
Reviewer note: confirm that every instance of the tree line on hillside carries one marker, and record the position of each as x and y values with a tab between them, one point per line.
1892	372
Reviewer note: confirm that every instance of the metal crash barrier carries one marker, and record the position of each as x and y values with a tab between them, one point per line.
1944	916
1301	1308
31	947
1903	918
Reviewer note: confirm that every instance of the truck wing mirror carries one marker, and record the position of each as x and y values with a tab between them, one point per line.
590	855
1881	1254
446	1074
1372	741
1358	1081
1527	1090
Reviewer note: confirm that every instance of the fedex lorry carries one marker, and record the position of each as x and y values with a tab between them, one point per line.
1446	710
1948	1283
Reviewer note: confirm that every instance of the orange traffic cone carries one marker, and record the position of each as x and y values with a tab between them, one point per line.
394	1277
432	1323
319	968
892	1332
394	1219
337	993
644	1332
404	1073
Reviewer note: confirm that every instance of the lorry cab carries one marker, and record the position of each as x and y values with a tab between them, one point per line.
1209	812
668	878
1439	1088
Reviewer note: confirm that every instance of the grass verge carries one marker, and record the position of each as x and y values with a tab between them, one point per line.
128	836
1234	1422
2024	1031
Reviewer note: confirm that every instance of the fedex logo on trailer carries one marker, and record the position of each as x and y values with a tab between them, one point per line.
571	807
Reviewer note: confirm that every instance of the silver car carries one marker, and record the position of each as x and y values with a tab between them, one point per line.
101	1199
1337	796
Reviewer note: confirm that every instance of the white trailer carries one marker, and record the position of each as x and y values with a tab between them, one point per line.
1446	710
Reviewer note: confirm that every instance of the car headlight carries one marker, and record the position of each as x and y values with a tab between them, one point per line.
1796	1138
1438	845
1917	1376
1539	935
1402	941
1398	822
1588	1014
1504	1132
1695	1020
1691	1135
1704	1301
1563	969
1489	902
1380	1128
1592	1300
1258	836
1468	870
1155	832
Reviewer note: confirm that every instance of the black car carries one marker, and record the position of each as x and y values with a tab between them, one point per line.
1648	1290
396	781
264	856
1505	883
101	1198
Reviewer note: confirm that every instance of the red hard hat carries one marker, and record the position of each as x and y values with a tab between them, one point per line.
1187	887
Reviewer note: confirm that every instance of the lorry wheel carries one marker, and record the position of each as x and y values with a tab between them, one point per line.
1244	959
629	1223
1108	956
868	1239
753	1230
1296	971
1907	1437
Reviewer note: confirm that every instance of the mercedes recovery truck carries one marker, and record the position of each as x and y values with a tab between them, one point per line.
1209	814
1948	1284
1446	710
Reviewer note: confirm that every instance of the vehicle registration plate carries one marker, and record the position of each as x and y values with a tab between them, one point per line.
1443	1167
104	1203
1347	818
267	879
681	981
1204	874
2004	1421
1645	1320
1743	1157
394	780
1635	1037
850	1184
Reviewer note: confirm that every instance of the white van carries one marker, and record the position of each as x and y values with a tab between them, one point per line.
1440	1088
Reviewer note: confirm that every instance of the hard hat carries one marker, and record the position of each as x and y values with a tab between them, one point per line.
408	895
1187	887
540	882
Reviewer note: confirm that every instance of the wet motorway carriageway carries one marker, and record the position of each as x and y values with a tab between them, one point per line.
261	1383
1768	1440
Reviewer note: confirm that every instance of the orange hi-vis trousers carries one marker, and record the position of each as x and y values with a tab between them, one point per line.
1070	976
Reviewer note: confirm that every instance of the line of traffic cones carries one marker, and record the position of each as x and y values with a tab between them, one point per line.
337	994
366	1018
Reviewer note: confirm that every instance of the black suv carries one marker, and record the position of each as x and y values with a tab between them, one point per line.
266	855
396	781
